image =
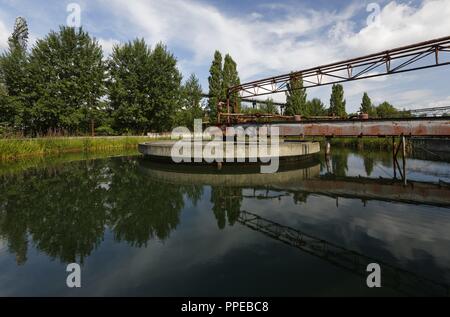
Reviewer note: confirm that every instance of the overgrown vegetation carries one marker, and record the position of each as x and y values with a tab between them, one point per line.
14	149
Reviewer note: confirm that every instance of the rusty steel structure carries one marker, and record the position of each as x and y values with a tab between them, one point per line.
430	127
423	55
394	61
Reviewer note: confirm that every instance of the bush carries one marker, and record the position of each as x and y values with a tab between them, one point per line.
104	130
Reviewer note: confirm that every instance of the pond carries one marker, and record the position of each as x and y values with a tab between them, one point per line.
139	228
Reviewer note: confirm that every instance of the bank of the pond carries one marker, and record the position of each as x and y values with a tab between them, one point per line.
16	149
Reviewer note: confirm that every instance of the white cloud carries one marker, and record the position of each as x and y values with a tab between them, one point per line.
401	24
259	46
107	45
294	38
4	34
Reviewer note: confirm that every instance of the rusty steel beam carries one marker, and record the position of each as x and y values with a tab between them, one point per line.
418	56
431	127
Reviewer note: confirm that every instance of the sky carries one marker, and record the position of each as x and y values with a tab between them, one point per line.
265	37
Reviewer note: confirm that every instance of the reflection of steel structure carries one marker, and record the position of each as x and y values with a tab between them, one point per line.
306	180
401	280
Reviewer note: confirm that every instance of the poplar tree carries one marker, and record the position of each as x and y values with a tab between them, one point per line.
367	106
230	78
296	97
337	101
14	112
215	86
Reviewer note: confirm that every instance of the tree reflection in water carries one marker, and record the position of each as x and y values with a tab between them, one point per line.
64	210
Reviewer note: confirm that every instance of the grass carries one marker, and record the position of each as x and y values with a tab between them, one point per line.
12	167
16	149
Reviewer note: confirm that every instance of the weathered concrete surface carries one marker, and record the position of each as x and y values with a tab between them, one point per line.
231	151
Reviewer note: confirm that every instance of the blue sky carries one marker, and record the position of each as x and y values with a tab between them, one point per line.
265	37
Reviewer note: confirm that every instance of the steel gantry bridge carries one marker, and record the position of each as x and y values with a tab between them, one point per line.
398	60
424	55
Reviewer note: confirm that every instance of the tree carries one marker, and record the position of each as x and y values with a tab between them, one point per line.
143	88
269	107
215	86
190	107
19	37
386	110
367	106
67	76
13	78
165	87
230	78
316	107
296	97
337	101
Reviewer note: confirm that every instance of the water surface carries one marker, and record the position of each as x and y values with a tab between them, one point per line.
144	229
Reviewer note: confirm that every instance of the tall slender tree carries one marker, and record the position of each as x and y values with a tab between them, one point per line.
230	78
215	86
14	112
296	97
19	37
337	101
367	106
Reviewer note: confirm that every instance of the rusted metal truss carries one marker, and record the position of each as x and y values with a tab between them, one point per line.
418	56
431	127
404	281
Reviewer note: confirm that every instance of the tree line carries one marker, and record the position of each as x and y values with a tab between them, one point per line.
297	103
64	84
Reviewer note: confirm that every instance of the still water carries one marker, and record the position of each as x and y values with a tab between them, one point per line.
143	229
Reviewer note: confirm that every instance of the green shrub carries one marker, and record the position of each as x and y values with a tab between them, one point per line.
105	130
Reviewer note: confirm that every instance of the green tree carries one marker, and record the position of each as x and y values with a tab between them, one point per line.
143	88
67	76
269	107
14	79
230	78
296	98
337	101
367	106
190	106
386	110
165	87
316	107
215	86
